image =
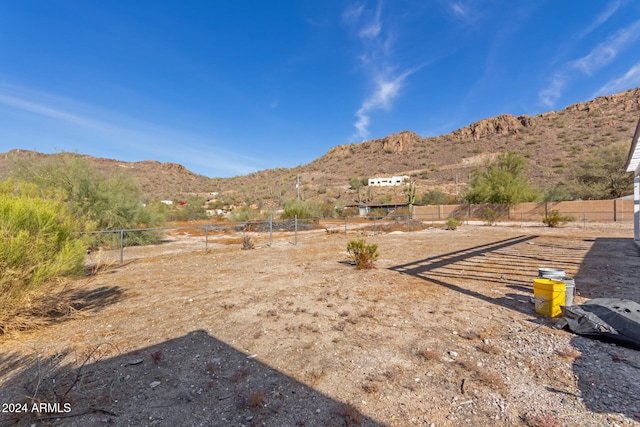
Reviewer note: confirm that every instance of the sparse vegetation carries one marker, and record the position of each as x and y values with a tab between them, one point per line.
490	216
362	254
351	414
40	245
247	243
554	218
452	224
600	174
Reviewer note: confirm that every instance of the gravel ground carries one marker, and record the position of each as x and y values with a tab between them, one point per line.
441	333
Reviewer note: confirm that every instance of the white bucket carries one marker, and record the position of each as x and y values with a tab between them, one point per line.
570	290
550	273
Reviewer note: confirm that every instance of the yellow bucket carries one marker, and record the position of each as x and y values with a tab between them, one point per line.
549	295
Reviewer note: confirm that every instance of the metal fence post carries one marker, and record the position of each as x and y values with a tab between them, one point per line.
271	230
206	238
374	225
121	244
432	221
295	225
584	220
345	225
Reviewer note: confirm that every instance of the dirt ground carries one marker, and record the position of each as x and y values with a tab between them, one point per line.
441	333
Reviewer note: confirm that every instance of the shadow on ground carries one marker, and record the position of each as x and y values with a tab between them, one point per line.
608	375
189	381
484	264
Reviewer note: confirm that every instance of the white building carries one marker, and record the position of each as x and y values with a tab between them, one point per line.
633	165
388	182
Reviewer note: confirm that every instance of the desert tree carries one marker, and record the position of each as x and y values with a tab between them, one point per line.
502	181
600	174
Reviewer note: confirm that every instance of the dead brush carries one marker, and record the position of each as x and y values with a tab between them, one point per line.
99	263
247	243
351	414
371	387
428	354
240	374
256	399
489	378
569	353
36	309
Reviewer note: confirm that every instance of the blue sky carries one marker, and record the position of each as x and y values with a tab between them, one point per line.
231	87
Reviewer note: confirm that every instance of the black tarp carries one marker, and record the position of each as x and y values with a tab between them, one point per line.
607	319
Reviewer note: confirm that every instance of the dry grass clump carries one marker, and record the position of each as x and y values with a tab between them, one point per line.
371	387
394	373
351	414
491	349
240	374
429	354
247	243
256	399
37	308
489	378
569	353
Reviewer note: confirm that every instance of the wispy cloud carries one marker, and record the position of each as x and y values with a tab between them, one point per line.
630	79
550	94
459	10
606	51
47	111
386	82
601	18
119	134
599	57
386	90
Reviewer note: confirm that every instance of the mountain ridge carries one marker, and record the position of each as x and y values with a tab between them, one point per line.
551	141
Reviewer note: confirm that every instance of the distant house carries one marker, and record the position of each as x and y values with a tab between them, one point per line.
167	202
389	181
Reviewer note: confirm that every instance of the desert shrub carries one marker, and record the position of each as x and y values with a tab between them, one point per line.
435	197
377	213
40	242
101	202
490	216
192	210
555	219
301	209
452	224
243	213
362	254
247	243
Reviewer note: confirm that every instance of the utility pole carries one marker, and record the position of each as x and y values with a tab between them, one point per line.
298	186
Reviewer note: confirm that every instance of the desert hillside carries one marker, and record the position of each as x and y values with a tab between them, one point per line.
551	142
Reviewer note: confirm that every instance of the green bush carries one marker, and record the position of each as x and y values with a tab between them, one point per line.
555	219
101	202
40	242
362	254
244	213
301	209
452	224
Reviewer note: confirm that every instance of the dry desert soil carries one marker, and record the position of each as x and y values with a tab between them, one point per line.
441	333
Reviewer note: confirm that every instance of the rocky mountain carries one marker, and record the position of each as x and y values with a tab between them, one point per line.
551	142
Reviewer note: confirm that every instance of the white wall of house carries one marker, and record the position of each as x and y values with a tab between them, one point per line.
633	165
